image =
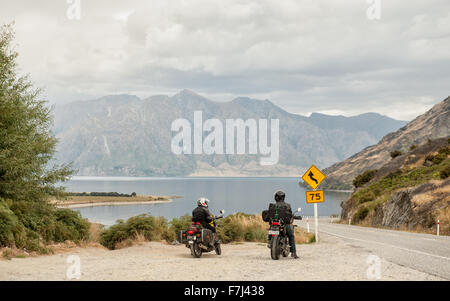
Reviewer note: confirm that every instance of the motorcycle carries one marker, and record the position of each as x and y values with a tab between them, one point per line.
278	239
200	240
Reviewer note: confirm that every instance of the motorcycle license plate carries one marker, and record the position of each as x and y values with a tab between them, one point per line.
274	232
191	242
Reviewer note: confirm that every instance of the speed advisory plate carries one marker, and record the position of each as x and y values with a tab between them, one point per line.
316	196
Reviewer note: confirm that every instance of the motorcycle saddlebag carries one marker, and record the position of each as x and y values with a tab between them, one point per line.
207	237
182	236
265	215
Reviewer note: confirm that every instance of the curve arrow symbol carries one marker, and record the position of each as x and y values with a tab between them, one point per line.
311	176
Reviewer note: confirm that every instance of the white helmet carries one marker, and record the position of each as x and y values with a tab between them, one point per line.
204	202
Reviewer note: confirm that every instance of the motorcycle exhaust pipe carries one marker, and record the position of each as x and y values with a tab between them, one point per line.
203	247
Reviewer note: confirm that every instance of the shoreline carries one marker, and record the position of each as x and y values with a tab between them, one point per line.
97	204
95	201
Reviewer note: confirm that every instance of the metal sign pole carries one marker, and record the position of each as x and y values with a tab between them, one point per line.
316	222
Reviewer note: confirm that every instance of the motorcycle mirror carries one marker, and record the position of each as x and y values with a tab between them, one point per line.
222	211
299	210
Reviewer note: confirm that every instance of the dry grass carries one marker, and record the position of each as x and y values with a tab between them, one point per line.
246	227
10	253
303	237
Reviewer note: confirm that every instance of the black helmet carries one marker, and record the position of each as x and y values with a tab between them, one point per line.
279	196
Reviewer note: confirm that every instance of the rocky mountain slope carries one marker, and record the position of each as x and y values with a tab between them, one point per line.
411	191
433	124
128	136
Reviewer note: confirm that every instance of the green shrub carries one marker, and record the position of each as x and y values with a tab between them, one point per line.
151	228
178	224
8	224
360	214
367	197
439	157
395	154
33	224
363	178
445	173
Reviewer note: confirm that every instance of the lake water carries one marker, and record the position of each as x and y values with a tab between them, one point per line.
249	195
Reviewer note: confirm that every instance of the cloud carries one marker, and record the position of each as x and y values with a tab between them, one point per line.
303	55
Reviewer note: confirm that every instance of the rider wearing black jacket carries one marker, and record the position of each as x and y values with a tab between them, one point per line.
281	204
202	215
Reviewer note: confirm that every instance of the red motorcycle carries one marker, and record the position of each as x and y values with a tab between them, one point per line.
200	240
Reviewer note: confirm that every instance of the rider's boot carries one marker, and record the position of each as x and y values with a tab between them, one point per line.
294	255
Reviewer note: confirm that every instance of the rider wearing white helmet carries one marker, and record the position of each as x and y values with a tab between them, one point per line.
203	202
202	215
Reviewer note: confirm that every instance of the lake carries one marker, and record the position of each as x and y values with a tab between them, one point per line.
234	194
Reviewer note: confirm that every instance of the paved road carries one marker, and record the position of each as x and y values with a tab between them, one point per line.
423	252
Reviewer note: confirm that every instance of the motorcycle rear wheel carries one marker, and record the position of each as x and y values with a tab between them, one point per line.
275	248
196	251
218	249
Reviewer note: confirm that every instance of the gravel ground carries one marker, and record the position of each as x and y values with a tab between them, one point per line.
331	259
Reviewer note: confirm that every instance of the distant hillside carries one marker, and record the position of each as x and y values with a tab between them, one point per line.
433	124
409	192
128	136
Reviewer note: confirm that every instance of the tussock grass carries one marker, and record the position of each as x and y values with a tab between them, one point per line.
235	228
242	227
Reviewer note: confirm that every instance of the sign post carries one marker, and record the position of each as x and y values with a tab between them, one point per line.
313	177
438	223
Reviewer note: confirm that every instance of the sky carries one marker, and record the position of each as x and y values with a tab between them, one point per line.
336	57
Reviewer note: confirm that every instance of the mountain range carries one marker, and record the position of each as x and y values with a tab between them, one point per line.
123	135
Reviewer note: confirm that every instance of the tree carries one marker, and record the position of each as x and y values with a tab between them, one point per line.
27	145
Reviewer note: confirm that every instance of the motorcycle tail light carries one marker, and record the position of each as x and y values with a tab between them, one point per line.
190	232
198	223
275	223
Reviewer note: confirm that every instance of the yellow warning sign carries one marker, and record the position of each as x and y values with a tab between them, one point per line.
316	196
313	177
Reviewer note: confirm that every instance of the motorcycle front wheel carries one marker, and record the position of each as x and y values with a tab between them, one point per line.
196	251
275	248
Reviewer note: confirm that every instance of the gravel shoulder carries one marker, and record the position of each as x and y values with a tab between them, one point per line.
331	259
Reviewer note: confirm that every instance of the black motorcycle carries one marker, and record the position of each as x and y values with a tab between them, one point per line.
278	239
200	240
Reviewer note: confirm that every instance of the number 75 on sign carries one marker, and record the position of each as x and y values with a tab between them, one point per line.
316	196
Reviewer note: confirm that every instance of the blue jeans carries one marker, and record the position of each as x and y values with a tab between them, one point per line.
290	234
